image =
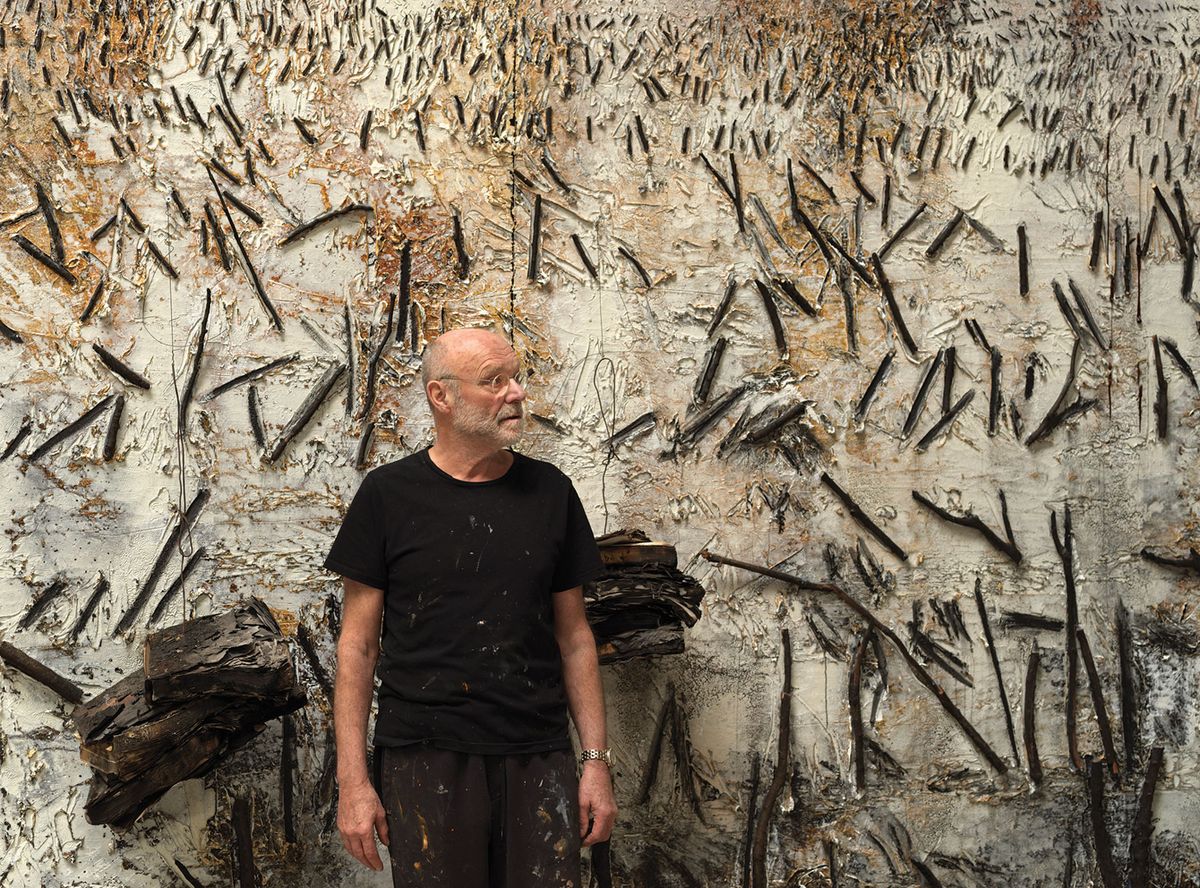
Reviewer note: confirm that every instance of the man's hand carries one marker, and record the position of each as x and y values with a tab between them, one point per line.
597	806
360	816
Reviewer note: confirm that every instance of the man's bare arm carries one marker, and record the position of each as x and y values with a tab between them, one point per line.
360	814
585	698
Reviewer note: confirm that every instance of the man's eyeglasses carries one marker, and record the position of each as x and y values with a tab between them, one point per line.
494	384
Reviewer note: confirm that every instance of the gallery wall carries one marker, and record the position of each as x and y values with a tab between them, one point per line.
894	299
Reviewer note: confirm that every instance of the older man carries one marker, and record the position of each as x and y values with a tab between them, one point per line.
470	558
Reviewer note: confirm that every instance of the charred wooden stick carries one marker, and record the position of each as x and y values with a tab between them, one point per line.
945	421
854	695
646	419
405	301
1102	841
242	207
43	601
1143	824
772	310
119	367
758	857
247	873
312	224
857	267
792	292
186	398
15	442
535	240
1088	318
1066	554
893	308
637	266
1184	367
89	608
995	396
948	378
995	657
182	525
864	520
1191	561
249	376
71	429
10	334
918	671
824	186
304	639
974	522
683	757
254	407
1129	714
276	322
729	192
722	307
1059	408
901	231
1097	694
948	229
704	420
1029	707
218	237
47	208
114	428
918	404
364	131
287	765
92	302
864	403
460	250
376	356
1023	260
40	673
1160	392
44	258
712	361
799	216
1067	312
1021	620
751	808
176	585
584	257
305	412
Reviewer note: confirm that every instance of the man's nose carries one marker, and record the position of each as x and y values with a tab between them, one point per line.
516	392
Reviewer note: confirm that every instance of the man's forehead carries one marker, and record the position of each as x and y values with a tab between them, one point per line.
474	349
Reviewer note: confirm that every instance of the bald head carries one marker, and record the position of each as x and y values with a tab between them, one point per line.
455	352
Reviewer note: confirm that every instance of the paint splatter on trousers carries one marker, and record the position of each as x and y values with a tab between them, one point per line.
457	820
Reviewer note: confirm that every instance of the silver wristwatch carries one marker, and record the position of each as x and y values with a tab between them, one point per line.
603	755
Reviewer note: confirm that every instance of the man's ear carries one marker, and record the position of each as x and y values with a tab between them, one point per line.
438	394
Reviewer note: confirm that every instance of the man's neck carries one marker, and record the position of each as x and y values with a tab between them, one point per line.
460	460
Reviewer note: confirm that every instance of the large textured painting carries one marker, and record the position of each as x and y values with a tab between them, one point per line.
883	313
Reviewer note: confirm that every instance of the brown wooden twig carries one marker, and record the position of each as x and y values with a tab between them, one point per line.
1100	835
1066	554
995	657
918	671
972	521
41	673
1097	694
1029	706
854	696
758	857
863	518
1143	824
1129	713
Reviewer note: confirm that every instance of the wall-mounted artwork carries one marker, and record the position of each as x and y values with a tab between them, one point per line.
884	314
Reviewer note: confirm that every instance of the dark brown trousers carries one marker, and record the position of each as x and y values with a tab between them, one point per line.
480	821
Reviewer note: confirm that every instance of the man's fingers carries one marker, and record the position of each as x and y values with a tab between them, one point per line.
371	854
381	826
585	814
601	828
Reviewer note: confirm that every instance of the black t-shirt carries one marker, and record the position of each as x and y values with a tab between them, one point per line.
468	659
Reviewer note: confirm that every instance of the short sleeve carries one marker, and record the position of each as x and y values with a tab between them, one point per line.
358	551
579	559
